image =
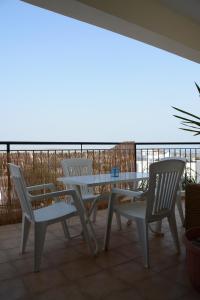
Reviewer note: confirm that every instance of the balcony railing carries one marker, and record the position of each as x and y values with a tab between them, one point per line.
146	153
40	162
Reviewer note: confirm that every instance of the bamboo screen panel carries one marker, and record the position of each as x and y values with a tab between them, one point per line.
44	166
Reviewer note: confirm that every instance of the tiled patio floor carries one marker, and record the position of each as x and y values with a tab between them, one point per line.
68	271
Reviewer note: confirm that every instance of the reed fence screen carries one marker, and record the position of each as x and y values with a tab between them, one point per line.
43	166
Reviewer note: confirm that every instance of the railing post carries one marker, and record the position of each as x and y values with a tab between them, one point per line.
135	157
9	182
81	149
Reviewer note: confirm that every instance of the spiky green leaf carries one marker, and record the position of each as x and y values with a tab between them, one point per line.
188	120
185	112
185	129
198	88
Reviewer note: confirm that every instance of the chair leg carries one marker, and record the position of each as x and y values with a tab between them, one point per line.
108	225
66	230
180	208
143	236
89	235
118	219
173	228
40	232
94	214
158	227
25	232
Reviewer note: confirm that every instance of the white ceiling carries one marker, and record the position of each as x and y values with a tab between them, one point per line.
189	8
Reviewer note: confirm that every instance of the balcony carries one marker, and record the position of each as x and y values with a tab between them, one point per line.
68	271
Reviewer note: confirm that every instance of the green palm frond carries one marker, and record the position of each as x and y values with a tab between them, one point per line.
190	126
193	123
190	130
186	112
188	120
198	88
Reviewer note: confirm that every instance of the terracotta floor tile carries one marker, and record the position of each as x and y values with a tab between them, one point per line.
108	259
9	243
158	288
125	294
7	271
179	274
116	241
58	233
49	236
132	250
131	271
7	228
62	293
26	265
54	245
12	290
44	280
62	256
81	247
3	256
156	243
132	236
11	234
162	260
14	253
100	285
192	294
80	268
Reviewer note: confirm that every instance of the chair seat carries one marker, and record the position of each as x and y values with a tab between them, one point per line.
136	209
89	197
137	194
54	211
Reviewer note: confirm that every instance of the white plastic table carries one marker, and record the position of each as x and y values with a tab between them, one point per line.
102	179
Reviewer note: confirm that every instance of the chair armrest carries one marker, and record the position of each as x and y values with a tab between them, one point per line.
38	187
128	193
52	195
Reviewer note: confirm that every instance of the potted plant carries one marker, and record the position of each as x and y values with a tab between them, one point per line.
191	123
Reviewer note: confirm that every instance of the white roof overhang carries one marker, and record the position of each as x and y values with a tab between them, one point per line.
171	25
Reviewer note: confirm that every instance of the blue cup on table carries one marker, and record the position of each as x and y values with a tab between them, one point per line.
115	172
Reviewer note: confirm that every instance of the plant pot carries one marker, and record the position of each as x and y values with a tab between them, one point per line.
193	256
192	206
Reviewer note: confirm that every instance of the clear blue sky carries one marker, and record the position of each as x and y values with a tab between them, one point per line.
64	80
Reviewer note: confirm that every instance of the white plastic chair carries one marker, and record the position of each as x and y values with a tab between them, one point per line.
179	193
42	217
158	202
79	167
178	198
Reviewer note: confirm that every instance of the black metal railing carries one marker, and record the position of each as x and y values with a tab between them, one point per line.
146	153
40	162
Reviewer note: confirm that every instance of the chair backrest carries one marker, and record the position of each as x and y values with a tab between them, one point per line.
20	187
78	167
164	180
182	178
